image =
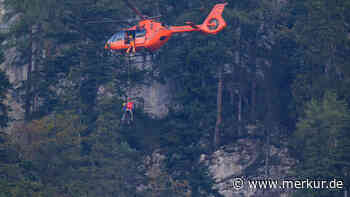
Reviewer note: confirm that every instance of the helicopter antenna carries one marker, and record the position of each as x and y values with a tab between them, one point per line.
143	17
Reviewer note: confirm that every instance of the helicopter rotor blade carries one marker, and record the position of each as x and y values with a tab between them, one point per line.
143	17
128	22
154	17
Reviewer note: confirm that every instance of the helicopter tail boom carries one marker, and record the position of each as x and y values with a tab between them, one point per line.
186	28
214	22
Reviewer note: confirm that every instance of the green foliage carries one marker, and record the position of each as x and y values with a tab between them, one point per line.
322	141
320	31
58	160
279	63
4	87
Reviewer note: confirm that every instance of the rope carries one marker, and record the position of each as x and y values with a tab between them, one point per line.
128	81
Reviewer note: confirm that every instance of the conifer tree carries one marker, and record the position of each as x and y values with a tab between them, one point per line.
4	87
322	139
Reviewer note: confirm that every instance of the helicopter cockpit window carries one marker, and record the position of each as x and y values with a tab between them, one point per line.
140	33
117	36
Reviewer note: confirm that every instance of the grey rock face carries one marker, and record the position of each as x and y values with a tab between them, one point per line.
154	164
242	159
245	160
156	98
155	95
15	74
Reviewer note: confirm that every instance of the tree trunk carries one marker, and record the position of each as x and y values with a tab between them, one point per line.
267	154
239	114
28	93
219	109
253	100
268	122
232	100
253	64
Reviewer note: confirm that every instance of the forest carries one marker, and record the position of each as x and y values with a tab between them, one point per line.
278	74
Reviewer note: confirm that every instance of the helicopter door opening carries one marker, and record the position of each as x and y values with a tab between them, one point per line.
140	35
129	35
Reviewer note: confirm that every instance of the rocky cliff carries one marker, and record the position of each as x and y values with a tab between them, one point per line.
16	74
244	159
155	95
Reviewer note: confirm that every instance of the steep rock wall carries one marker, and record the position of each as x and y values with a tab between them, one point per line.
246	159
155	95
15	74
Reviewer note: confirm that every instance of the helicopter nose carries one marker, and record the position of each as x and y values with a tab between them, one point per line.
107	46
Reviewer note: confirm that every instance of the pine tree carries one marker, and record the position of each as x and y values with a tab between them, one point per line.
322	139
319	28
4	87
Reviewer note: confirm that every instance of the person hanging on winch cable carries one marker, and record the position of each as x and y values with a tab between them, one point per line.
128	110
132	46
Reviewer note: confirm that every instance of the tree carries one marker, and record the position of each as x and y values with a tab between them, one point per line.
322	140
4	87
28	35
319	28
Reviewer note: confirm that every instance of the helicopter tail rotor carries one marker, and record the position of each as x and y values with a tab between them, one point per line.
214	21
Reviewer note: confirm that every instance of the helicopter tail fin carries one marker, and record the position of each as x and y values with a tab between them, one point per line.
214	22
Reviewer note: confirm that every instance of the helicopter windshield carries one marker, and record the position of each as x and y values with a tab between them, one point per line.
117	36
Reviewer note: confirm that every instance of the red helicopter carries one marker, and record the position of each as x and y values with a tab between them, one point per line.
150	34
